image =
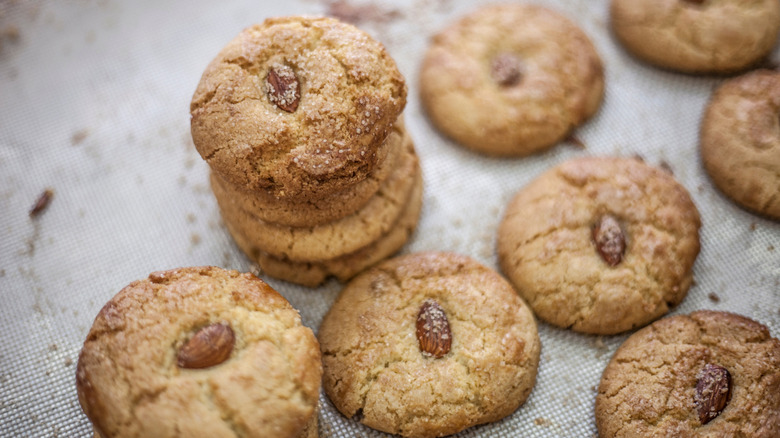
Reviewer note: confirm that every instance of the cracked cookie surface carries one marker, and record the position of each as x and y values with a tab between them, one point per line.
373	364
707	36
740	141
649	386
129	384
546	246
511	80
351	93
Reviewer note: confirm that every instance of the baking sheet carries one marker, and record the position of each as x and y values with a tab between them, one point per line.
94	102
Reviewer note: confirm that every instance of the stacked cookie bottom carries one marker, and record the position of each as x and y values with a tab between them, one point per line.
339	234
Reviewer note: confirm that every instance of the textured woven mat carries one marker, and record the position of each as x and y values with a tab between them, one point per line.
94	105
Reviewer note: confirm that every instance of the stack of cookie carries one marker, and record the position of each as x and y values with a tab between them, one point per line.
300	121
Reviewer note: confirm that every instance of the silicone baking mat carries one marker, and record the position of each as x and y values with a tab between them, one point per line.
94	106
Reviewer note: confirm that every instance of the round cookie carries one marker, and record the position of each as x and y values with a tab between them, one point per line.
309	213
427	345
647	229
199	352
664	379
332	239
296	106
740	141
510	80
346	266
697	36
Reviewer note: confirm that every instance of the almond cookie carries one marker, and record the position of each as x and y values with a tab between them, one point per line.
346	266
600	245
427	345
697	36
510	80
199	352
740	141
331	239
309	213
712	374
297	106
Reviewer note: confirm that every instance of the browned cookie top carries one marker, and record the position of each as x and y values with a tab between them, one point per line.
600	245
707	374
199	352
428	344
714	36
740	140
296	106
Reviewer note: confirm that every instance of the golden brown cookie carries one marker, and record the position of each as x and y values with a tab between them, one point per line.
707	374
199	352
740	141
332	239
297	106
697	36
511	79
309	213
427	345
346	266
600	245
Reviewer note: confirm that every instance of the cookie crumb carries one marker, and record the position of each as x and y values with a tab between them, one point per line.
68	362
541	421
195	239
78	136
41	203
639	157
53	347
190	218
354	14
666	166
575	141
11	33
752	226
713	297
770	248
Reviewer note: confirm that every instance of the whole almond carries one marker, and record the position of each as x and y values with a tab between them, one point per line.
713	390
609	239
433	330
506	69
210	346
282	88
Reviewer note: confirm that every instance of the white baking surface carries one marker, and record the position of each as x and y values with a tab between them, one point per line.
94	104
